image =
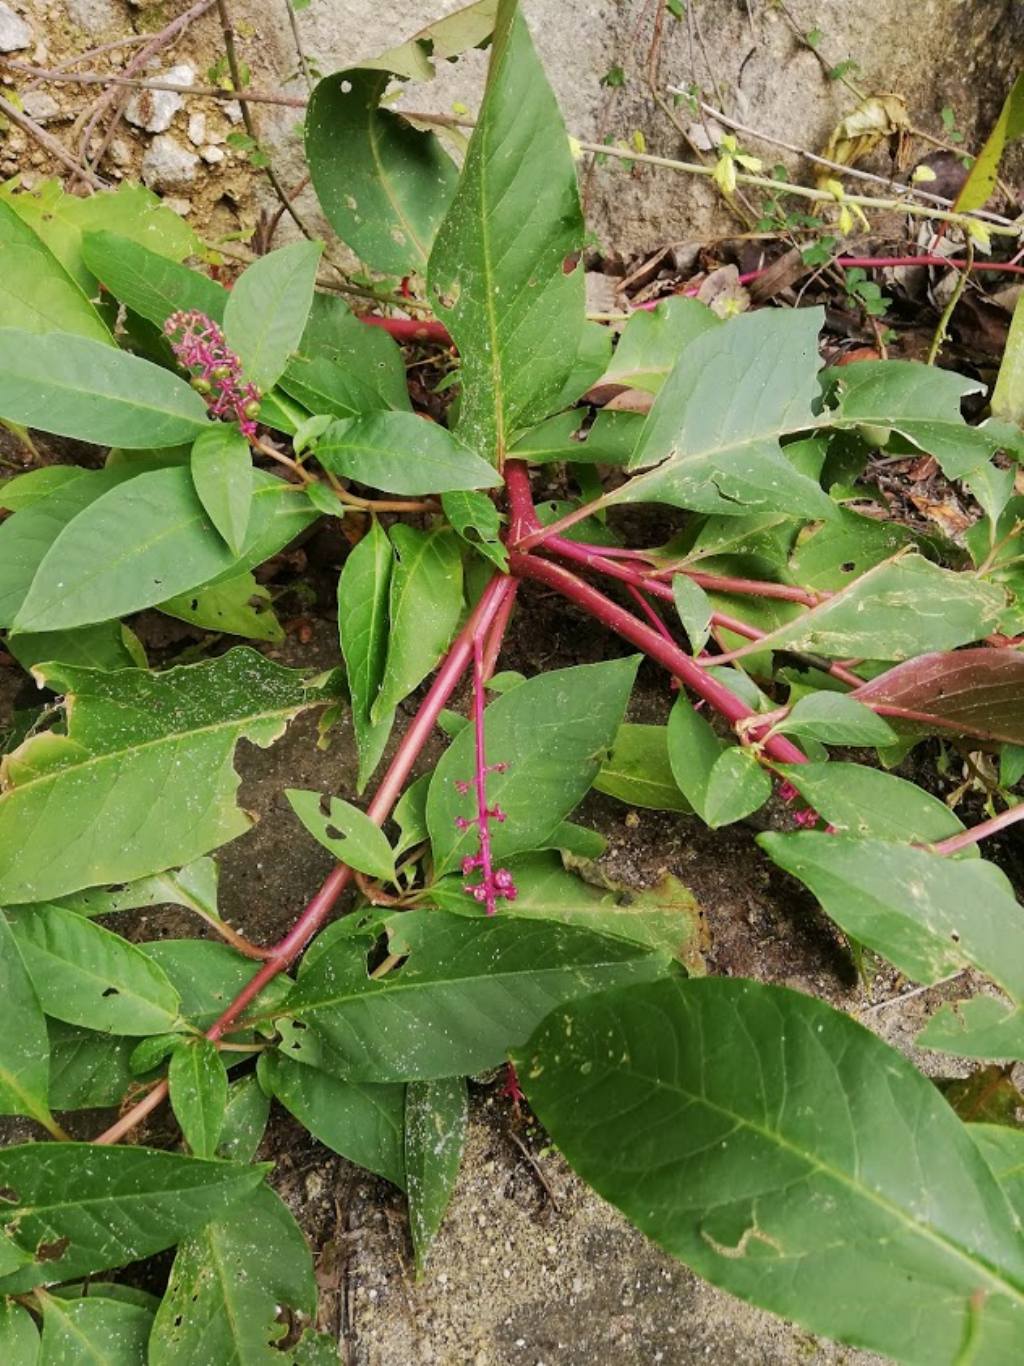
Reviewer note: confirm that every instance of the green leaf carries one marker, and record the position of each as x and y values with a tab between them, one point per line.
360	1120
832	554
496	275
327	387
87	1069
836	719
346	832
410	814
1003	1150
476	519
245	1120
713	433
922	403
694	608
19	1336
363	630
74	386
930	915
365	354
86	975
104	645
402	453
904	607
143	779
267	310
235	1288
789	1156
468	990
435	1134
148	283
384	185
24	1046
551	733
95	1331
208	975
652	342
981	1027
665	917
693	751
425	604
638	771
237	606
737	785
199	1094
223	476
981	179
864	801
77	1208
36	292
23	490
1008	394
148	540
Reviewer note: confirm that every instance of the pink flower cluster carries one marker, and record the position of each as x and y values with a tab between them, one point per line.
807	816
200	346
496	884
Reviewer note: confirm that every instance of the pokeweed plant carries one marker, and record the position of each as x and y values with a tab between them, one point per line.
764	1138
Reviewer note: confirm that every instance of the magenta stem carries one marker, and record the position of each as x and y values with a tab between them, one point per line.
651	642
483	811
319	907
979	832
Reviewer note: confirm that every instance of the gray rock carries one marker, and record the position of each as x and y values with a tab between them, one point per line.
197	129
153	110
15	34
41	106
167	165
95	17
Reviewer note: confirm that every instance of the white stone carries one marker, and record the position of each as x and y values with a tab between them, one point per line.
233	111
41	106
95	17
212	155
15	34
167	165
177	204
197	129
153	110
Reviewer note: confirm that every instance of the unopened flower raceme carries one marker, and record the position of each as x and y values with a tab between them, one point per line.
200	346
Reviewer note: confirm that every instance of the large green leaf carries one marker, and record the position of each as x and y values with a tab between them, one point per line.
87	1069
148	283
146	541
922	403
360	1120
664	917
496	275
19	1336
94	1331
384	185
234	1287
1003	1150
713	433
88	976
981	1027
930	915
363	630
425	602
790	1156
551	734
468	991
24	1046
207	974
402	453
901	608
143	780
78	387
104	645
78	1208
36	292
435	1133
367	354
267	310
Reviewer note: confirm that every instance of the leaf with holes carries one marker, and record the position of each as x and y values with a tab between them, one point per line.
78	1208
346	832
143	778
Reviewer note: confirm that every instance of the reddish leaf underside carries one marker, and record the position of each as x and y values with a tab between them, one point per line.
978	692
